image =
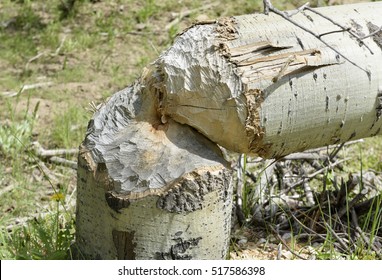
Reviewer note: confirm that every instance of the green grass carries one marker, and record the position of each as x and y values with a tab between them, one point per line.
41	238
146	11
23	197
69	128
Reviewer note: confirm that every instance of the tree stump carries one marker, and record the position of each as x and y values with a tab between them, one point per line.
148	190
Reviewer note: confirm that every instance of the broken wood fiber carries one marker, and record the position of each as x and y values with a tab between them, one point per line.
259	84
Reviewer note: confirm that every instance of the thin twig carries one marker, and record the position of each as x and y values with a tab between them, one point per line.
314	174
372	33
359	39
57	52
351	204
334	153
311	231
286	17
33	59
298	10
26	87
267	6
344	246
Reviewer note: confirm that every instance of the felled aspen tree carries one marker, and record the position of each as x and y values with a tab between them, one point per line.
152	183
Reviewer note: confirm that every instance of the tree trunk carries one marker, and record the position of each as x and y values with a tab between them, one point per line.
152	183
259	84
148	190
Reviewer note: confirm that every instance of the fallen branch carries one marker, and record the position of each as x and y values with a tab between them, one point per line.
64	162
311	154
41	152
304	156
311	176
53	155
323	237
26	87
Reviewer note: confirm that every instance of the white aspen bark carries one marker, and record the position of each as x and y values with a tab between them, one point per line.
152	183
259	84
